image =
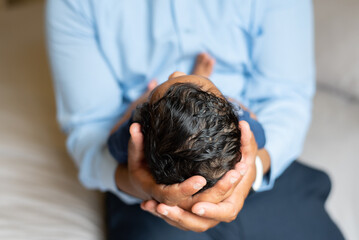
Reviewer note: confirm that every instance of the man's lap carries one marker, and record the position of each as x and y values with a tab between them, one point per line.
293	209
131	222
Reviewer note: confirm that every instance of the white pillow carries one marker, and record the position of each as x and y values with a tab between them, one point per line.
40	196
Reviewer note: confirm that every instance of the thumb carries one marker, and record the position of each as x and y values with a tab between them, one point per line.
245	132
135	146
247	139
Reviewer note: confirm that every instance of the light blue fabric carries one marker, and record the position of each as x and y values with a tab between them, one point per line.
104	53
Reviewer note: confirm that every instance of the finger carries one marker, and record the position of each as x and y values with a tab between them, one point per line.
136	141
185	219
241	168
249	174
136	165
135	147
221	189
224	187
249	146
176	193
225	211
150	206
246	133
173	223
228	209
247	180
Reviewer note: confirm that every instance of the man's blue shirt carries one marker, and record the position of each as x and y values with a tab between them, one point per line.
104	53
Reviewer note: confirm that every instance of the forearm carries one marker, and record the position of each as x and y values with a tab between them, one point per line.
88	96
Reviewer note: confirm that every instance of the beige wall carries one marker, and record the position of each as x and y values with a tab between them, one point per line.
337	49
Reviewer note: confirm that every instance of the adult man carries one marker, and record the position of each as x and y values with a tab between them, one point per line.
104	54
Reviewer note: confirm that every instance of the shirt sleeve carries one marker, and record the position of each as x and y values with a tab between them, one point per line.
87	94
282	81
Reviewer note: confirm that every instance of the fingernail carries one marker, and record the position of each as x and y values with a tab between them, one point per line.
200	212
197	186
164	212
243	169
233	179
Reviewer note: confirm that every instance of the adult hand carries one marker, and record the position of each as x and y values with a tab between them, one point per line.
206	213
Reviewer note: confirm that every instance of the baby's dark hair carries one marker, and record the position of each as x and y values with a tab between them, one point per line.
189	132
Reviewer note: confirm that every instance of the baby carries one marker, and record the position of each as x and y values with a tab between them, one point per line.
189	129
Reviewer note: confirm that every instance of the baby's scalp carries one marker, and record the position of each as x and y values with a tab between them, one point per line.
188	132
177	77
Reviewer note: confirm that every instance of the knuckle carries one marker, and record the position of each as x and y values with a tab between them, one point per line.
184	192
163	195
228	220
231	218
228	186
167	200
232	214
207	225
179	220
223	188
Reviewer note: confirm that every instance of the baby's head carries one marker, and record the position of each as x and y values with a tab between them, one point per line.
189	129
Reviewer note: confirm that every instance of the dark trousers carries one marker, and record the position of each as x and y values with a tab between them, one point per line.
293	209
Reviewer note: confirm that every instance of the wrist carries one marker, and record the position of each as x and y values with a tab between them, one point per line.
120	175
123	182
